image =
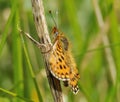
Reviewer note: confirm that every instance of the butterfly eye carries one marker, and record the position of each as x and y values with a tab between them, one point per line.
56	33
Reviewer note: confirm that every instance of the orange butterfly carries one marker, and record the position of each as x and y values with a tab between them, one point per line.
62	64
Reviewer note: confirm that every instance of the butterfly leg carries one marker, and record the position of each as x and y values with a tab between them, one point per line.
66	84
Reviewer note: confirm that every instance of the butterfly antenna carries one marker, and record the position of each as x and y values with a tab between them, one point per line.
53	18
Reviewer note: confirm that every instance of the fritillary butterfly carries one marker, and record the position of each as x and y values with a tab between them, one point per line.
62	64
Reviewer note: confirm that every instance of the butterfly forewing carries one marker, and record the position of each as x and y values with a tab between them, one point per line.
57	62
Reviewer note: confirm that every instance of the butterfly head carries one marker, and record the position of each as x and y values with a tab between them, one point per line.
55	31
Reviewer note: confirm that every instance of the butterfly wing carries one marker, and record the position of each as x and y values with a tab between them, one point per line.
58	67
74	75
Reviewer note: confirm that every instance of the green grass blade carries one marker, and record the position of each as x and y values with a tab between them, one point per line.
31	71
5	33
17	58
15	95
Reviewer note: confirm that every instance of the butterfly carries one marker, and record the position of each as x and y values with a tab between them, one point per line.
61	61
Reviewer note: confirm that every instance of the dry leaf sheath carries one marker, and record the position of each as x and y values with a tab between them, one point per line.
41	27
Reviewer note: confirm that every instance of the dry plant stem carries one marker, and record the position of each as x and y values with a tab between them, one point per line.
94	44
105	41
41	27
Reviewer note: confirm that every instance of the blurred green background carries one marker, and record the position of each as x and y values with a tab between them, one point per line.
93	28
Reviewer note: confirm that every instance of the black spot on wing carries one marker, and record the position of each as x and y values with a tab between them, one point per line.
60	66
64	66
59	59
62	57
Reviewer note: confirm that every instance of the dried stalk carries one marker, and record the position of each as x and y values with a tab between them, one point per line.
41	27
101	38
105	40
94	44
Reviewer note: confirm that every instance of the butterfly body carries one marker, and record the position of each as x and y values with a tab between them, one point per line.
62	64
